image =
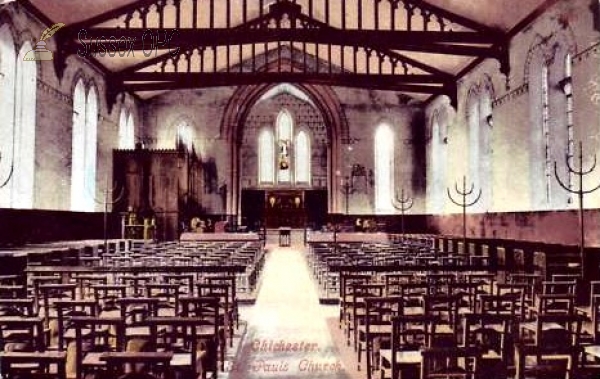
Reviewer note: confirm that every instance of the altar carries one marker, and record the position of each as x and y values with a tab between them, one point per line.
218	237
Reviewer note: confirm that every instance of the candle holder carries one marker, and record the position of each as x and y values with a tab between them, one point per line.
347	188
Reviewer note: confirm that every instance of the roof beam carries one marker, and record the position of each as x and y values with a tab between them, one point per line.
236	77
213	80
393	39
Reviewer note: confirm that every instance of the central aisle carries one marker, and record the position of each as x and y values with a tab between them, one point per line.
287	334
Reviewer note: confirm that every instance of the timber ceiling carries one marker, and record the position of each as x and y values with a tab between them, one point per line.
416	47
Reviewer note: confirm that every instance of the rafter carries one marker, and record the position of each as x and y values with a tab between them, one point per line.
402	25
180	81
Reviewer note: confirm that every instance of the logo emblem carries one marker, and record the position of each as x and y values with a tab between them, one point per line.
40	53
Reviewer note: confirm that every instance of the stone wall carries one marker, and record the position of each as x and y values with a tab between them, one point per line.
566	27
363	110
53	139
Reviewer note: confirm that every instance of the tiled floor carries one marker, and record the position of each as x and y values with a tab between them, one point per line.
287	334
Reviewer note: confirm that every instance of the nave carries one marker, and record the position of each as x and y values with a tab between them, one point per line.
411	307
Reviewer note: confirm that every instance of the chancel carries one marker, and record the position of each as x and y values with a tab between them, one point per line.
292	189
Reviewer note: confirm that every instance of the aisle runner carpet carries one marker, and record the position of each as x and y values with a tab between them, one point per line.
288	334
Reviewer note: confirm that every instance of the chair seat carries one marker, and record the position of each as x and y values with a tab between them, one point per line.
593	350
137	331
112	313
491	354
532	326
166	312
409	357
93	359
376	330
181	360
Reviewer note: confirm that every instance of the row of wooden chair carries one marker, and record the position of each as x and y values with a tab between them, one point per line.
528	316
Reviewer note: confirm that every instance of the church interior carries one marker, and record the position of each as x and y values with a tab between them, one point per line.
351	189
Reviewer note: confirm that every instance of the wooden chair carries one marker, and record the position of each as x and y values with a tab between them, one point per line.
16	307
85	283
182	336
356	317
37	364
553	330
410	334
168	294
50	293
516	293
394	282
221	292
377	328
65	310
95	336
495	335
451	363
540	362
21	333
106	296
445	309
134	311
211	334
347	280
231	281
135	365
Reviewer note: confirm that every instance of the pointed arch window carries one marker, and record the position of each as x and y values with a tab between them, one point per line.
479	115
91	139
285	126
302	158
22	184
7	105
438	166
78	153
126	130
384	169
266	157
84	148
185	135
284	157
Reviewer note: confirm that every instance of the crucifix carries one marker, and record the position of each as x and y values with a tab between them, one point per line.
284	156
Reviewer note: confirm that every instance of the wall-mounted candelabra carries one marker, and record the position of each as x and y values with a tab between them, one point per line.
105	201
347	189
580	173
464	193
402	203
9	176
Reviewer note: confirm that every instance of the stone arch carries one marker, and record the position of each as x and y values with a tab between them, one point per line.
238	108
547	46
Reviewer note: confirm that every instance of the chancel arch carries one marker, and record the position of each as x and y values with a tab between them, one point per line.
336	132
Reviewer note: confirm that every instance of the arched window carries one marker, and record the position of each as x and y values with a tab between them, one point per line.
185	135
78	151
302	158
266	157
24	134
83	163
284	158
485	148
473	117
126	130
437	173
285	126
7	105
384	169
130	131
91	139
